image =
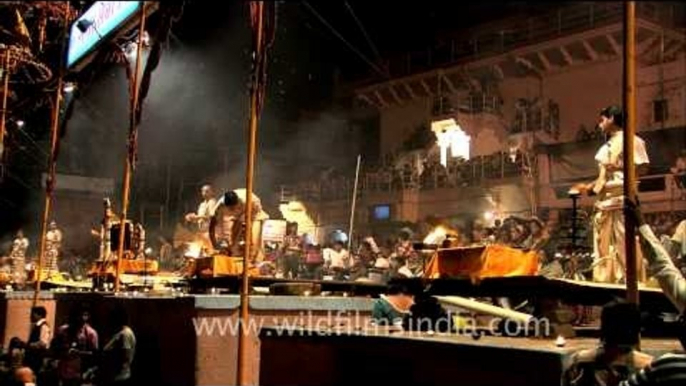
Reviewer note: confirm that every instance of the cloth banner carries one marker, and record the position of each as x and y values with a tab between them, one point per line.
482	262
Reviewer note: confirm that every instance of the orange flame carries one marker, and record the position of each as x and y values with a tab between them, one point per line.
193	249
437	235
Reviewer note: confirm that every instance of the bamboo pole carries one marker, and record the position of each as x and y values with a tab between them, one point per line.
52	163
353	204
5	91
133	138
487	309
242	365
628	151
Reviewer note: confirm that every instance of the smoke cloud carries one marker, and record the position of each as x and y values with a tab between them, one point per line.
195	118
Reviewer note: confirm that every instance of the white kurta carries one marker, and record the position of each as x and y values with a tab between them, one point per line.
53	243
205	212
334	259
608	222
18	256
610	160
229	219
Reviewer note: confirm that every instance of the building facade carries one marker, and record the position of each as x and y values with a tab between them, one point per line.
528	93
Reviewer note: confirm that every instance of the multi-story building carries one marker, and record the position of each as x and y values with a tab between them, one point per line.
528	93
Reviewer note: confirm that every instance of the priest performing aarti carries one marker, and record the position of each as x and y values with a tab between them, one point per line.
18	257
608	220
227	225
199	222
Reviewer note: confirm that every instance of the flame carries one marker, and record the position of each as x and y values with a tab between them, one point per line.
436	236
193	249
296	211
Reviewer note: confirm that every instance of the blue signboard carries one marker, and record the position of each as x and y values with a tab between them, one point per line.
102	19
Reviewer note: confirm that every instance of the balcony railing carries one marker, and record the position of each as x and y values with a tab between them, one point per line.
458	174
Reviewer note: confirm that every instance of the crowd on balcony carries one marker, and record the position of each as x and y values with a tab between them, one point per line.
419	174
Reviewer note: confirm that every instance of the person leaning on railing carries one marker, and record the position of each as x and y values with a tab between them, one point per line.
661	266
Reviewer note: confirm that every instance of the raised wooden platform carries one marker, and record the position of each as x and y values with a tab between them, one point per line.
175	350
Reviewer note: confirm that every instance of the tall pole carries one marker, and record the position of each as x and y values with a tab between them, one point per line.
133	138
52	163
353	203
242	365
5	91
628	151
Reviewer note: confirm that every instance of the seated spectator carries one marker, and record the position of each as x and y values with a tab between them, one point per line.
314	261
391	308
616	358
11	360
668	370
337	260
427	314
679	170
380	272
24	376
660	264
680	163
678	241
401	267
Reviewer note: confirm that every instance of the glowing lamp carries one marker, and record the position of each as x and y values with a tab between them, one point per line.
449	135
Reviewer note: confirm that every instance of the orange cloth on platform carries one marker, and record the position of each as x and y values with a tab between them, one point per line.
139	266
481	262
128	266
220	265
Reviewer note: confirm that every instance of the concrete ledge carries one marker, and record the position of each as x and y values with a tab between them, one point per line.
26	295
285	303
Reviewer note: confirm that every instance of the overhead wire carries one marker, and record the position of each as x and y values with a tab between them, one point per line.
8	203
20	180
32	141
29	153
350	45
364	31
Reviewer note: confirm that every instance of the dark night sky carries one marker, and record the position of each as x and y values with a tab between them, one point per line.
196	112
306	43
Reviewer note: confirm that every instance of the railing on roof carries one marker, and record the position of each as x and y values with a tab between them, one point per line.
506	36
